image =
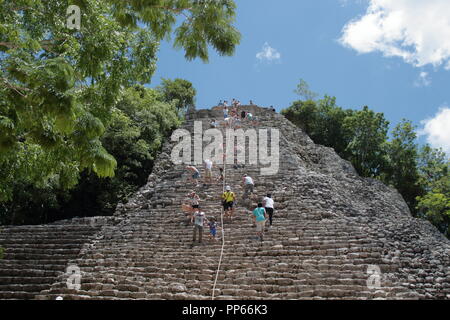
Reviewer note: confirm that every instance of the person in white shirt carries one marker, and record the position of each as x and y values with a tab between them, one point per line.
229	122
268	205
248	185
208	170
199	220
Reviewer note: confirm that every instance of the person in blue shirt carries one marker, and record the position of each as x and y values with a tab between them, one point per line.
213	228
225	111
260	220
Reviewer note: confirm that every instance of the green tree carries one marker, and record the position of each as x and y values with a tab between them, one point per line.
367	150
434	170
180	92
323	121
304	114
330	130
422	178
303	91
139	124
402	171
58	86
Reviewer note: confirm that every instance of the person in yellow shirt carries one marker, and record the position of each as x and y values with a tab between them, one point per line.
228	198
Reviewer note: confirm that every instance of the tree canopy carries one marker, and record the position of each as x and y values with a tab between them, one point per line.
434	177
178	91
58	85
140	122
303	90
361	136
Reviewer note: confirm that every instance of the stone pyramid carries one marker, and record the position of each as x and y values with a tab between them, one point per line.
335	235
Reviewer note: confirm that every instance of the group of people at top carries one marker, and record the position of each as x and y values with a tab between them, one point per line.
232	118
234	103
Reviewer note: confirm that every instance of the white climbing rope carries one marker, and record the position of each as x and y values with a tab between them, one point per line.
221	220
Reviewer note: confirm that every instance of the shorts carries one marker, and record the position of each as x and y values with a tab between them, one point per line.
213	232
196	175
228	205
260	225
208	173
195	206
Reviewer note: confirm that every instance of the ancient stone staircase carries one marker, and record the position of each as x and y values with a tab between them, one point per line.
35	255
331	229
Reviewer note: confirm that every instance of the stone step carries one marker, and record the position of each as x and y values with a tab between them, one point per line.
329	226
27	280
13	295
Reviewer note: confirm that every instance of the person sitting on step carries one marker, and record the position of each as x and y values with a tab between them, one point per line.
252	119
237	122
213	123
229	122
234	112
225	112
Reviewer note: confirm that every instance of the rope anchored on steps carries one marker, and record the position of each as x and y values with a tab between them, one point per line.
221	219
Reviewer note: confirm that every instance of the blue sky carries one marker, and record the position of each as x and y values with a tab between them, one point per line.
341	49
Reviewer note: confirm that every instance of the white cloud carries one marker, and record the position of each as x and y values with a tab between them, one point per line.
423	80
268	54
437	129
416	30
